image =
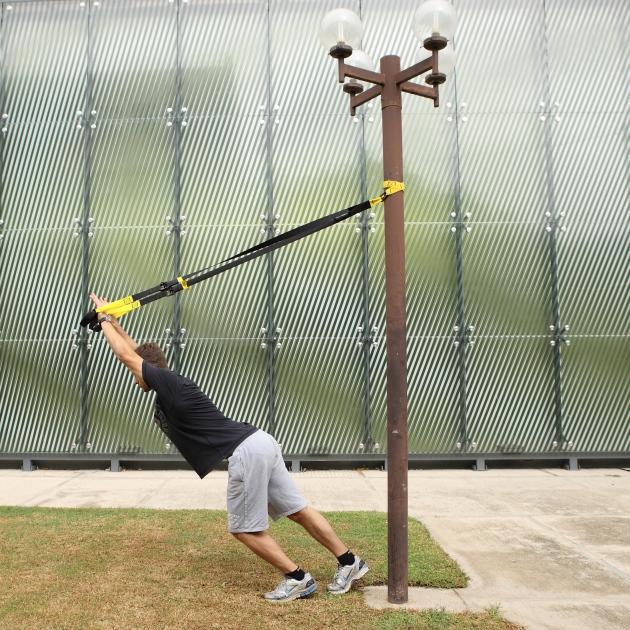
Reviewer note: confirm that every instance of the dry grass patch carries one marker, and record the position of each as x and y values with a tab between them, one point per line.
140	569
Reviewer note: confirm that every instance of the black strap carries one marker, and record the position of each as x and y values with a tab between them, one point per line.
262	248
175	285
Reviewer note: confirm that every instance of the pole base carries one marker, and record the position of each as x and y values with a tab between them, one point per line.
395	596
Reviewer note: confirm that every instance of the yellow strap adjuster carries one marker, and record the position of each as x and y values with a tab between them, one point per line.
183	283
389	188
119	307
124	309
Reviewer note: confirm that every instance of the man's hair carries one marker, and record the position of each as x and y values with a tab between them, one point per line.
152	353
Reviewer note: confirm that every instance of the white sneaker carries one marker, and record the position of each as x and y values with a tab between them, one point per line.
290	589
346	575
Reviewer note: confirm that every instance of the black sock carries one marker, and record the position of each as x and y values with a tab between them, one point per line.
346	559
298	574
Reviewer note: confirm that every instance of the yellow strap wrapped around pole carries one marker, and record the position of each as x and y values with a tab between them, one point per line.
393	187
389	187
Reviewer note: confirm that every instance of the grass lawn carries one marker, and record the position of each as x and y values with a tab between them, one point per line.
137	569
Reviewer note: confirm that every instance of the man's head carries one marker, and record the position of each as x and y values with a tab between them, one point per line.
151	353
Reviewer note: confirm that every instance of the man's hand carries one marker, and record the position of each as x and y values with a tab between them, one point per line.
98	302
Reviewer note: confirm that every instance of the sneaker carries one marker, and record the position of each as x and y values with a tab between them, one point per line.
290	589
345	575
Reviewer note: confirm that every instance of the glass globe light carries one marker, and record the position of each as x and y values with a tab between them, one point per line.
421	54
358	59
437	17
447	57
340	26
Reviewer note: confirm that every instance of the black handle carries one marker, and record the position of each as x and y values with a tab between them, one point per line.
90	319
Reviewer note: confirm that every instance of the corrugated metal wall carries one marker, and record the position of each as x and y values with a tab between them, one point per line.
221	123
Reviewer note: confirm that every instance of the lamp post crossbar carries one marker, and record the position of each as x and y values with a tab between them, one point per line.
364	97
346	70
401	79
415	71
421	90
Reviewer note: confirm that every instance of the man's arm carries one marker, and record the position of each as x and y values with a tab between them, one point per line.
119	341
119	329
98	302
121	347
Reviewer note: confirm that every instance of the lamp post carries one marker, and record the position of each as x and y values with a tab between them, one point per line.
341	31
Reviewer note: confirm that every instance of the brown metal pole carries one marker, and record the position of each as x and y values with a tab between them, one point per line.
396	331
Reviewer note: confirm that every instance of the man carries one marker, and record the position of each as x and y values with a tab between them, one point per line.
258	481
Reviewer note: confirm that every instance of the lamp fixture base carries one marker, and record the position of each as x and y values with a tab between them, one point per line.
353	88
340	51
435	42
435	78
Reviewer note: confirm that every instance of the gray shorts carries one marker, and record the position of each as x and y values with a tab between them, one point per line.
259	484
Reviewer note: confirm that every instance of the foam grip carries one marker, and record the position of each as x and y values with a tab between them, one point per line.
89	318
95	327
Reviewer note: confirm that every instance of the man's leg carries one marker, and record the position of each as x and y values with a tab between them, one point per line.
296	583
350	567
249	470
320	529
265	547
285	499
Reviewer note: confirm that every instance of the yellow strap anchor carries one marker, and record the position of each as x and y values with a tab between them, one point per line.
389	188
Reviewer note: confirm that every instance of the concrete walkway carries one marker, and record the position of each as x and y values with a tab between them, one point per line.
551	547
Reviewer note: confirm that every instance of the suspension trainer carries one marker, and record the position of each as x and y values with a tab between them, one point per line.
164	289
